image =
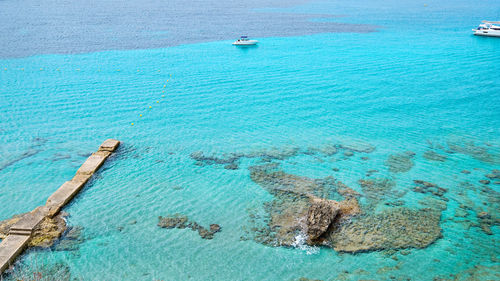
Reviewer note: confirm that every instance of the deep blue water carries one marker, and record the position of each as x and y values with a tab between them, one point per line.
32	27
398	75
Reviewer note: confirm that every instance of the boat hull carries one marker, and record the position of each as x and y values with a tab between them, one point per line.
245	43
489	33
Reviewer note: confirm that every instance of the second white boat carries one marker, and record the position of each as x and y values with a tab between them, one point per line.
488	28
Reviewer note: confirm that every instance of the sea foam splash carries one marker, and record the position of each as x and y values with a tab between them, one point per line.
300	243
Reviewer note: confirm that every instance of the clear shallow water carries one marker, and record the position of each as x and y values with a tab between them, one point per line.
421	78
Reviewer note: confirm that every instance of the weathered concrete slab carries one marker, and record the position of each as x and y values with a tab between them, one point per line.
28	222
65	193
109	145
10	248
48	211
103	153
93	163
81	178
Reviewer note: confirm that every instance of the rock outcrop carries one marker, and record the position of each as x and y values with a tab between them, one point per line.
300	207
320	215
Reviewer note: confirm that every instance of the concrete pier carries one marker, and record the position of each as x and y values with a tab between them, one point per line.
21	232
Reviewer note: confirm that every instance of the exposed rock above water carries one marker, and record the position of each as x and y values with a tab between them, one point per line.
293	214
181	221
48	232
320	215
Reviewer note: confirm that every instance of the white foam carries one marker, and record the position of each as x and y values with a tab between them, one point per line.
300	243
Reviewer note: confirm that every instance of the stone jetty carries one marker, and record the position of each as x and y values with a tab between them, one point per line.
21	232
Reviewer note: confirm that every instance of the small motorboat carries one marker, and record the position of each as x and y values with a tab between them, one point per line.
488	28
244	41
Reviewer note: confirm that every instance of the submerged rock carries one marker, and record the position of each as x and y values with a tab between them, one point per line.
358	146
201	158
275	181
71	240
480	272
486	221
434	156
399	163
470	148
434	203
348	153
232	166
215	228
175	221
395	228
326	150
492	176
274	153
346	191
376	190
182	221
40	271
428	187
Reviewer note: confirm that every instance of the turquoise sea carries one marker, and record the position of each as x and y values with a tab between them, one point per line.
397	76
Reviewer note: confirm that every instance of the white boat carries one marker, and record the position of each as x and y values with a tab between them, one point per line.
244	41
488	28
